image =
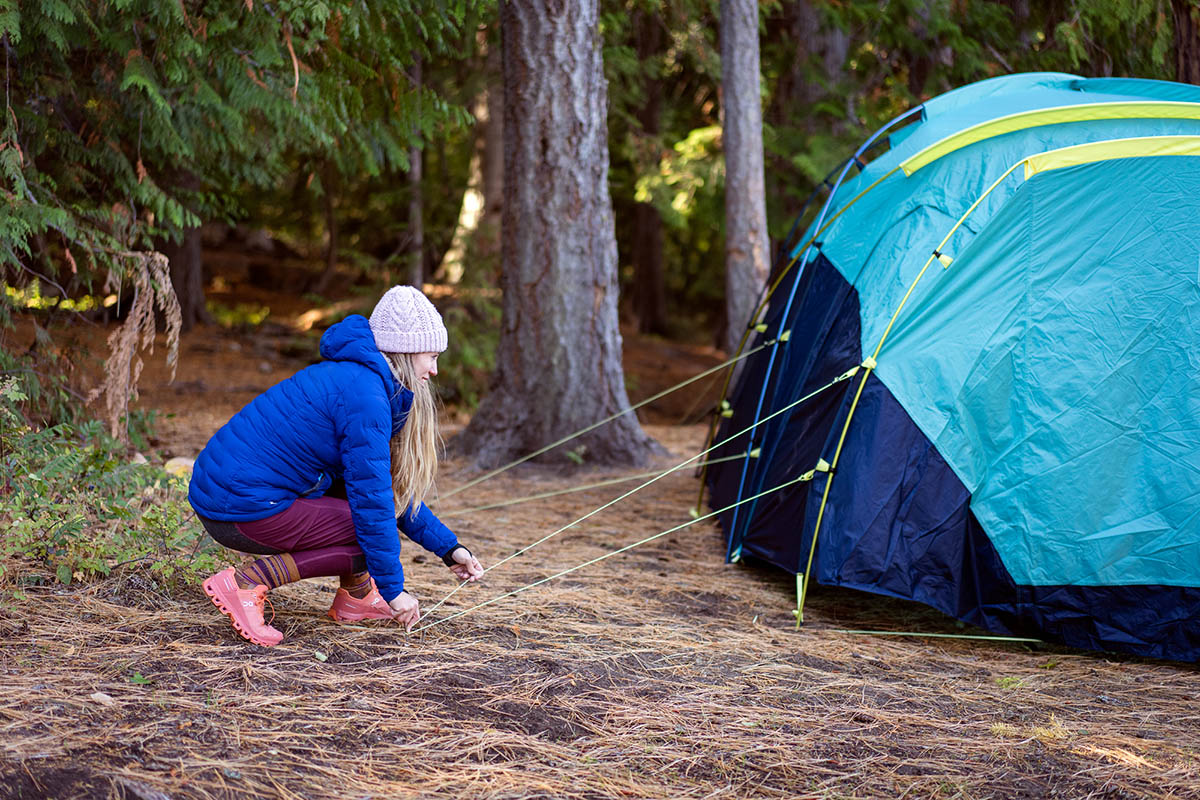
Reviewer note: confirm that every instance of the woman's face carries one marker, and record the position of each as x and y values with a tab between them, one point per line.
425	365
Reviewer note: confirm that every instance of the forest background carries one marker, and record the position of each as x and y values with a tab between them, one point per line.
323	150
363	145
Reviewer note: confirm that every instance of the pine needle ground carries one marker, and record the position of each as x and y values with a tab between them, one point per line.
661	672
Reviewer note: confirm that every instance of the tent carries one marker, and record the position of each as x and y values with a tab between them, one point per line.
983	361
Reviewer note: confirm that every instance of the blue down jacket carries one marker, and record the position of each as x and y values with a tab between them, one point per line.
331	420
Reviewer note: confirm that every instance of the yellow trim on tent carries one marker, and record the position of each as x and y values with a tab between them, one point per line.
1084	112
1138	147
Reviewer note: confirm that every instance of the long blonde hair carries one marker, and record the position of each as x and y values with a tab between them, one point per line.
415	448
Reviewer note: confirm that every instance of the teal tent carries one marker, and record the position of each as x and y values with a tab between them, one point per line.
991	369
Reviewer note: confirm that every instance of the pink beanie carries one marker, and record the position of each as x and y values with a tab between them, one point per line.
404	321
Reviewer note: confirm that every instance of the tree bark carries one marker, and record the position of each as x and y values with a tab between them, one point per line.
558	363
1187	40
746	251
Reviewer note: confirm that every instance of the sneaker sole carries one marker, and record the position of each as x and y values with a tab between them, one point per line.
352	617
219	602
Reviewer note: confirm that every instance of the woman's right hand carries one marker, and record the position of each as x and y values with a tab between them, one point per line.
407	610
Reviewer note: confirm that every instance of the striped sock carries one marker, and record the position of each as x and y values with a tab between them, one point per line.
357	585
269	571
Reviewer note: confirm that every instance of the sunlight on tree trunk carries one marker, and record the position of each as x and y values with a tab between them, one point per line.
559	357
476	236
470	214
746	251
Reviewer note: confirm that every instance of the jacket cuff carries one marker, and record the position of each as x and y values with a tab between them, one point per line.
448	559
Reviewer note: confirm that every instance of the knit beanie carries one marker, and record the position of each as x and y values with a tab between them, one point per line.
404	321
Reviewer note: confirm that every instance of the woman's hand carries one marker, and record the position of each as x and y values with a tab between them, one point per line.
407	609
465	566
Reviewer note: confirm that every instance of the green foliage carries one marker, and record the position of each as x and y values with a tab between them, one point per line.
902	52
242	316
688	189
667	153
1116	37
45	397
129	122
75	506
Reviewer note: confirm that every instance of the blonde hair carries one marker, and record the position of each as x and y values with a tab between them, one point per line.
415	448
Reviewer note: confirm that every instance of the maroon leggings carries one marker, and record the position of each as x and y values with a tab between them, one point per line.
317	532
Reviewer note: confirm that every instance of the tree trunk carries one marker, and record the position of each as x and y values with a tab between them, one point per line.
477	231
649	281
1187	40
746	253
558	363
328	177
812	72
816	46
187	278
649	278
416	221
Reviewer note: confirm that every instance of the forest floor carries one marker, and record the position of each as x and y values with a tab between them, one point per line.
661	672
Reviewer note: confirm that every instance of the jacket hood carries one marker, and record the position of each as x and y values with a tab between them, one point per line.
352	340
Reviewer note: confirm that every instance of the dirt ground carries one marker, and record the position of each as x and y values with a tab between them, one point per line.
661	672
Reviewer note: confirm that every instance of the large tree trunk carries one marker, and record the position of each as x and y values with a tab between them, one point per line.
746	251
649	280
1187	40
558	363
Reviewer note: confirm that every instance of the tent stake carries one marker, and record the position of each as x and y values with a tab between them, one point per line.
799	612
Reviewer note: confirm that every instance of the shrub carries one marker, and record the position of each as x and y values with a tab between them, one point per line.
75	505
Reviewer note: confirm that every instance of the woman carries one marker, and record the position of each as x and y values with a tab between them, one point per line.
311	473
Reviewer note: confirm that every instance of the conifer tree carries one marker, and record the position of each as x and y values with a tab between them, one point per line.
131	121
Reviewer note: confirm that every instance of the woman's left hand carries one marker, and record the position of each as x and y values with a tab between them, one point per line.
463	564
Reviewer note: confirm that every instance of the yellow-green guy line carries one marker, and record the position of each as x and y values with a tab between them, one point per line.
804	477
843	377
607	419
941	635
458	512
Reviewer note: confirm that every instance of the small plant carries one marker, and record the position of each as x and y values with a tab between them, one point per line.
75	506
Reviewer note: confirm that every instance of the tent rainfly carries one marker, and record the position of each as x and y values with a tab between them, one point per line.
1010	296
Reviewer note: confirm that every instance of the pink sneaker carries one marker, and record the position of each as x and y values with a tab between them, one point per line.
244	607
351	609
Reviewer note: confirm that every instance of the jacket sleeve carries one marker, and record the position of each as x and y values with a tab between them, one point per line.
427	530
366	459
